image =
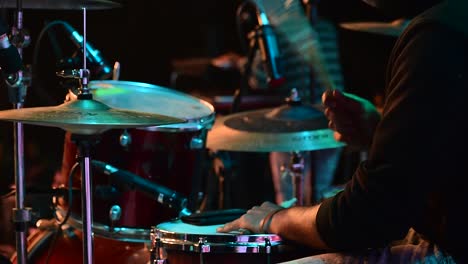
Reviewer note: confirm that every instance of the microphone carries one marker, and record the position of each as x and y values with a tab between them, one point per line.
269	50
104	71
163	195
10	59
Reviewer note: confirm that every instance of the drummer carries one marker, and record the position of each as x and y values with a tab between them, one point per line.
413	182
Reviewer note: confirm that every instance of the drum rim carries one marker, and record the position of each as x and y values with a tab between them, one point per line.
192	124
219	243
124	234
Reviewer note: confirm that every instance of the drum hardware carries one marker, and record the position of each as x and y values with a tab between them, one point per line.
17	89
125	139
157	252
197	143
297	174
114	215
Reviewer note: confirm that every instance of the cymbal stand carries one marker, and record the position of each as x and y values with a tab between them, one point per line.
84	149
17	95
84	144
297	159
297	174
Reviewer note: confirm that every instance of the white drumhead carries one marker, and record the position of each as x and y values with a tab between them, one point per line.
154	99
178	235
184	228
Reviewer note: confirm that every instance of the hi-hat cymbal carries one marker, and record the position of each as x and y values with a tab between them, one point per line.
86	117
392	29
285	128
61	4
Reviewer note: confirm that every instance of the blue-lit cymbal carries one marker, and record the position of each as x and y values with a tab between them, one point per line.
86	117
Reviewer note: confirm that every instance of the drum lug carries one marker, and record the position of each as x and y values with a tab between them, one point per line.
125	139
268	250
203	246
197	143
267	245
157	251
115	213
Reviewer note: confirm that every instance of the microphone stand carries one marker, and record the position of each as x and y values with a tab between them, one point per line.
244	84
17	93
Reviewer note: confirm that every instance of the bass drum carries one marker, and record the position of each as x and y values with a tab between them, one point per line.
48	246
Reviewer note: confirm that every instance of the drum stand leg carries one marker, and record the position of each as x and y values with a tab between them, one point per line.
21	215
17	93
297	173
84	144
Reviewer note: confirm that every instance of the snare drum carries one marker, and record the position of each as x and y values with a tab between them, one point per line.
169	155
180	243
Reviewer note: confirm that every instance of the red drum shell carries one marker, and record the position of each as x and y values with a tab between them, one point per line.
67	248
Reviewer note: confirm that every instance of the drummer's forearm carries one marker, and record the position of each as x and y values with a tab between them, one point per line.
298	224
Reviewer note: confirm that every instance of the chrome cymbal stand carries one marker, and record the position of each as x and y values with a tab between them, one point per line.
84	144
17	94
297	174
84	150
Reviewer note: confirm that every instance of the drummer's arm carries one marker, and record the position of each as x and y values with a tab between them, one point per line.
298	224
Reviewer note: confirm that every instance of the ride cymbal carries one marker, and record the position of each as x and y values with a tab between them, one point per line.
86	117
61	4
285	128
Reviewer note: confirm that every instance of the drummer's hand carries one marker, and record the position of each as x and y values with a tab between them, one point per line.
252	220
353	118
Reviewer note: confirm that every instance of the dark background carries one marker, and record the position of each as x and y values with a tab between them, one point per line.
146	37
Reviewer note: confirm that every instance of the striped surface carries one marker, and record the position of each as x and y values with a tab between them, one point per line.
310	54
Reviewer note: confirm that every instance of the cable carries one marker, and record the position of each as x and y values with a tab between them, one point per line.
36	50
239	23
67	215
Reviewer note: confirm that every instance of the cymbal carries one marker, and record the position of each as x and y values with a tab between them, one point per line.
285	128
392	29
61	4
86	117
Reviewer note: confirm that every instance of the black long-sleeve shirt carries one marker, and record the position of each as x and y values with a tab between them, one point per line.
417	168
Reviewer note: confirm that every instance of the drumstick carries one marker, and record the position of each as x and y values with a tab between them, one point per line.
292	22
